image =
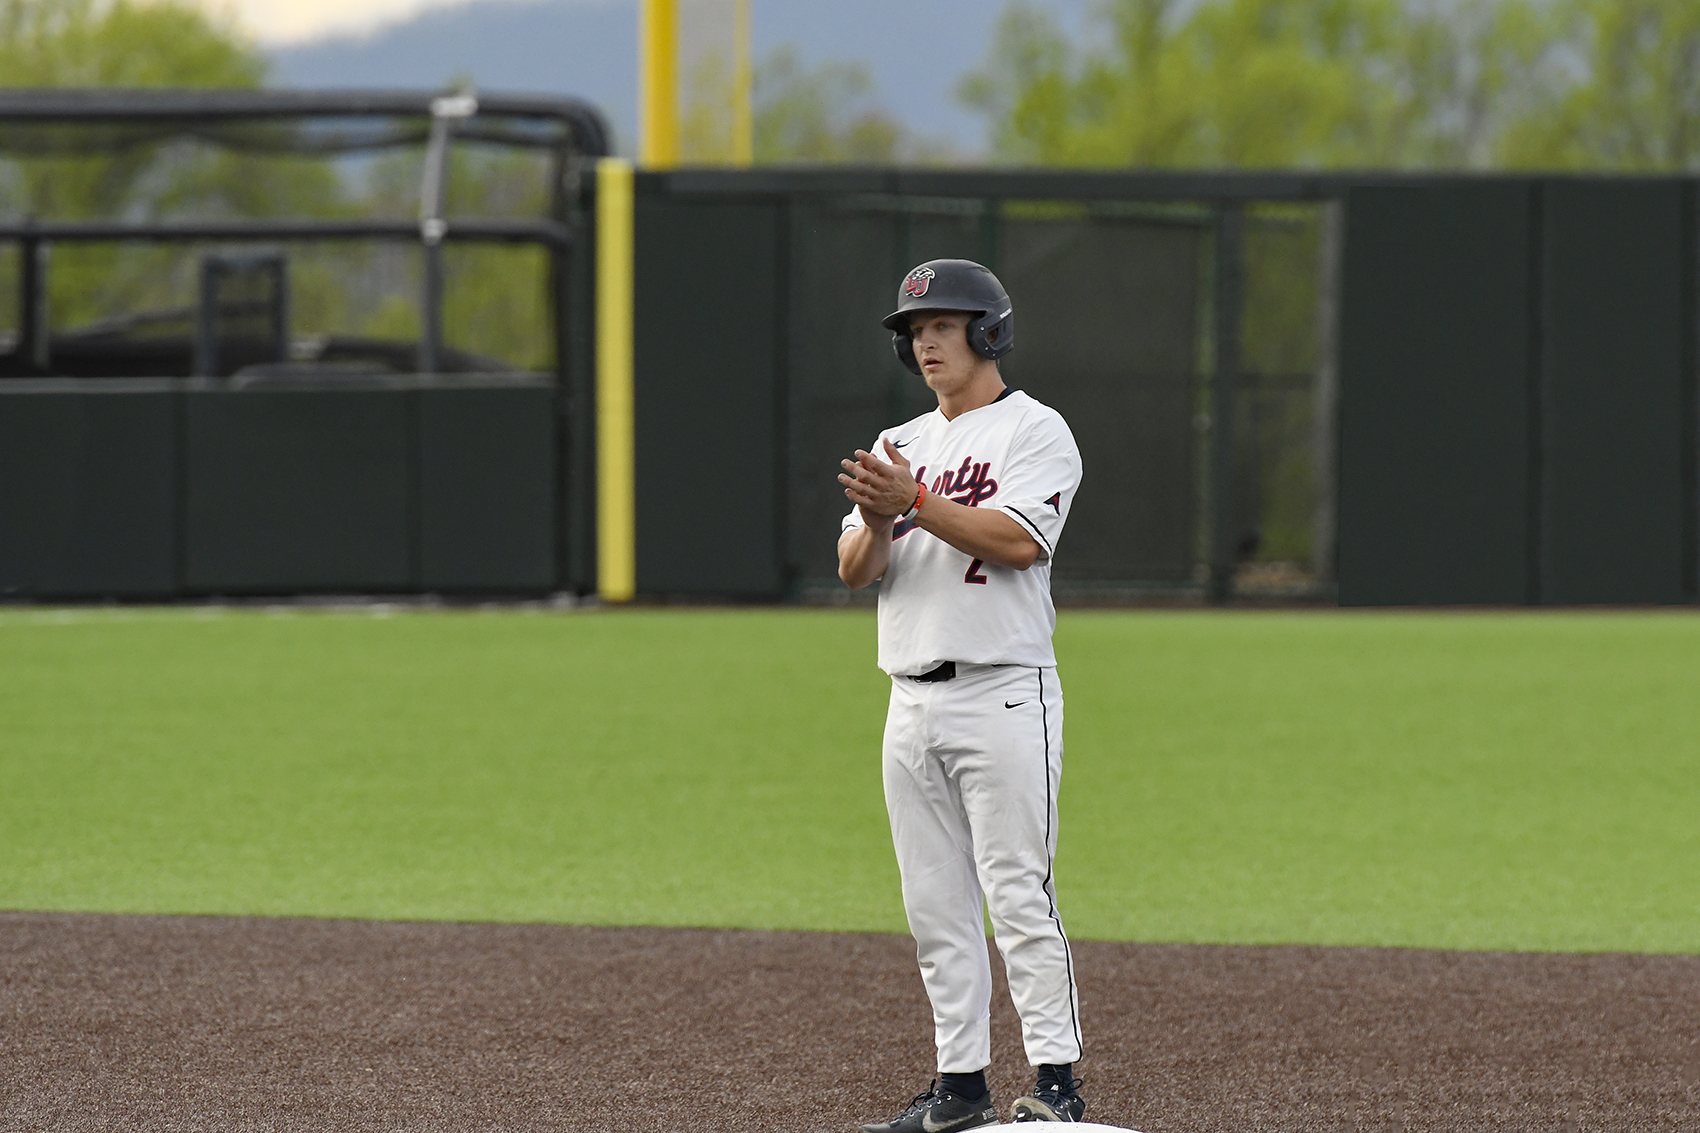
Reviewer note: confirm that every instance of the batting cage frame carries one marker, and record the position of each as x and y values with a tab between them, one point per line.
155	456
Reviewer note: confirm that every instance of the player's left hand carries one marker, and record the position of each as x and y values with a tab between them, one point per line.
878	487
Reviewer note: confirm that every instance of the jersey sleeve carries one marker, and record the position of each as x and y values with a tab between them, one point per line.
1039	481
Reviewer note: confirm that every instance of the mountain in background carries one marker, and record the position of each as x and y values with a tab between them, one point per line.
915	52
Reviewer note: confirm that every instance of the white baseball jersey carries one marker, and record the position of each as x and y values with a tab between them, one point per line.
939	604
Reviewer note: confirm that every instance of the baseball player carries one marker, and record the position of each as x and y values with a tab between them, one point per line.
957	513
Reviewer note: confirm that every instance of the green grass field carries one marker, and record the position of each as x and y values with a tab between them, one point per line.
1522	781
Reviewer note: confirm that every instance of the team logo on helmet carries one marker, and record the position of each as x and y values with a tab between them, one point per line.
918	281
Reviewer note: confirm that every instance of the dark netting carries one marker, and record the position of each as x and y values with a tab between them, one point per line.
92	179
1275	489
110	310
1108	334
1275	430
131	309
845	385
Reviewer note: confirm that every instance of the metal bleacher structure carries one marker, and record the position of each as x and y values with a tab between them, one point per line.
1370	388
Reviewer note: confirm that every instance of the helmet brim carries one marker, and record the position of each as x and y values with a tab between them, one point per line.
898	321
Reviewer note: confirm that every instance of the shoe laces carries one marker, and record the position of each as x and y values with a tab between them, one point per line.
920	1101
1056	1087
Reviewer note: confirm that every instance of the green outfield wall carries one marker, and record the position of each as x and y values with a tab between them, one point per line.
1518	393
158	489
1404	390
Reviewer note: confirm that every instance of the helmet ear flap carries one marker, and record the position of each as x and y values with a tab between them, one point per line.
991	335
904	346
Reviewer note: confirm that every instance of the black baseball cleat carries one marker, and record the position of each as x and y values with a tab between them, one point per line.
939	1111
1050	1101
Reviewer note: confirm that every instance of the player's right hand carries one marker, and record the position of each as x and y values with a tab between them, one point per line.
877	487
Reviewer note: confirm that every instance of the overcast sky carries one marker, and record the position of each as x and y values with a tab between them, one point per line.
276	22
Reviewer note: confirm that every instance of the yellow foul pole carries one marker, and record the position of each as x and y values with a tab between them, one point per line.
658	93
743	117
616	466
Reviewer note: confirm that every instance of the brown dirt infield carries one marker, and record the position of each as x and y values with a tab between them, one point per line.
213	1023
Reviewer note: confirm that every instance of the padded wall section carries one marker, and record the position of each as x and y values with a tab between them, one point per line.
1435	409
297	490
707	360
1612	331
87	491
486	488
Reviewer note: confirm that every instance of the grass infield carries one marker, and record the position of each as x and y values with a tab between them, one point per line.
1518	781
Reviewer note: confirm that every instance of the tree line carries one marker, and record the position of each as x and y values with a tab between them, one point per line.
1406	84
1608	85
1403	84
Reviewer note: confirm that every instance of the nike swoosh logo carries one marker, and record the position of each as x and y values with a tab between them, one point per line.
900	444
1017	704
931	1126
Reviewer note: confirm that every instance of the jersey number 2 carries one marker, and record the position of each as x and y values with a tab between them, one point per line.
974	574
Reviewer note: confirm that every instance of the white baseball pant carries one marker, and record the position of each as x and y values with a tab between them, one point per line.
972	767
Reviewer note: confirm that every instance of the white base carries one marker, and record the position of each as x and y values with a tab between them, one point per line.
1086	1125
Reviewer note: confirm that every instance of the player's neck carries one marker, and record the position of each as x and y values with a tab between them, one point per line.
983	388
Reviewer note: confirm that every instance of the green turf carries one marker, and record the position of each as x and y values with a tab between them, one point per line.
1525	781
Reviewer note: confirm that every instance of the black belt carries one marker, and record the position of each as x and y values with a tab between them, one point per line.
945	672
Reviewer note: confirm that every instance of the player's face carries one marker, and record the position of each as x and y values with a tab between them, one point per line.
941	347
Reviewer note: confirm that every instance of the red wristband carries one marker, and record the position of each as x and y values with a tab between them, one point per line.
915	508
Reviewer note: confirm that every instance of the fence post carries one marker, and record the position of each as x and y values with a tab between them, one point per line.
1325	396
1690	396
1230	264
616	494
658	84
433	191
33	324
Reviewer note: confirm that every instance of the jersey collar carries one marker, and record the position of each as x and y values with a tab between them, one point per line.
1007	390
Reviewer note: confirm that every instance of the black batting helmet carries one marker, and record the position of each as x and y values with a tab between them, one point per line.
954	285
